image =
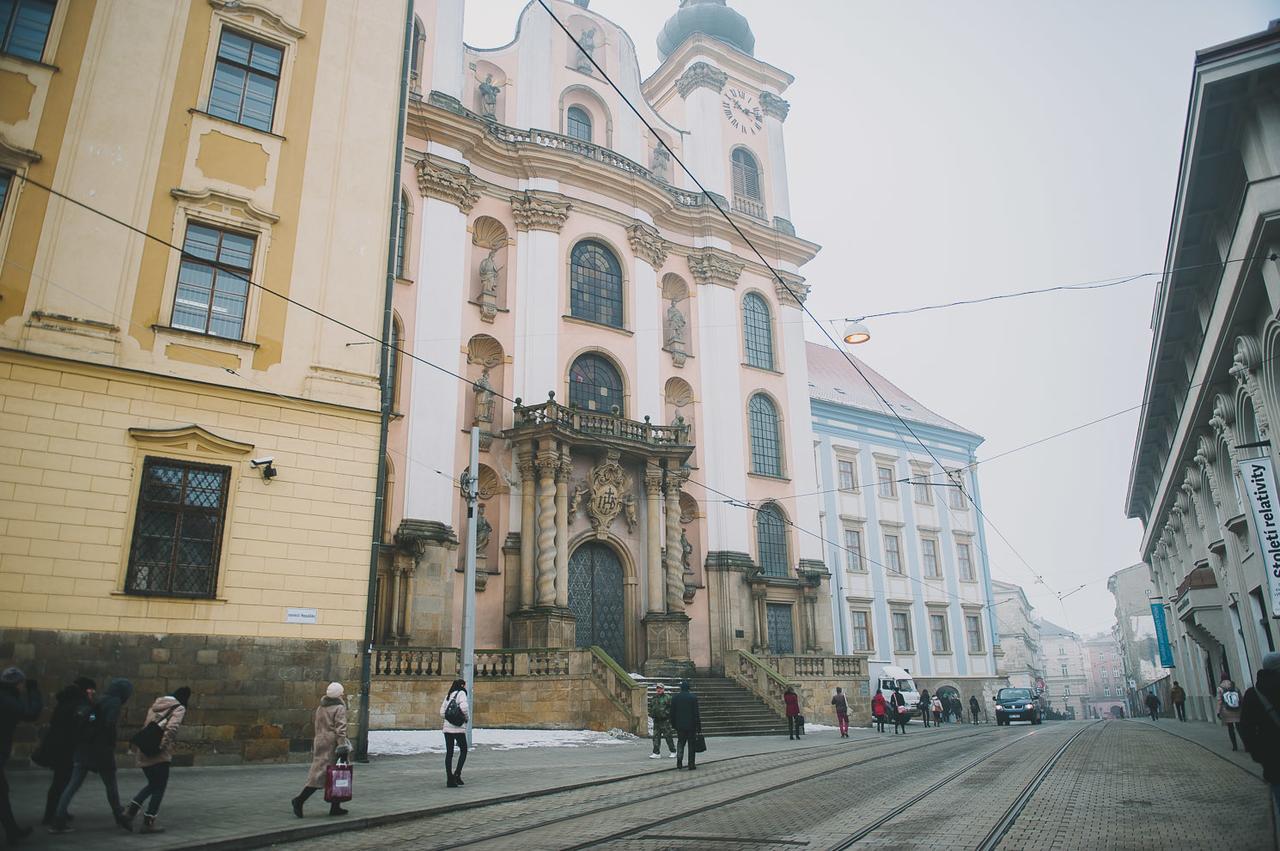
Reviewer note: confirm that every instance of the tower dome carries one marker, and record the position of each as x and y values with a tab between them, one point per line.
709	17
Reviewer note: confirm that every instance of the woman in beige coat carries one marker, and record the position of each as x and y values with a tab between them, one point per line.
330	743
169	712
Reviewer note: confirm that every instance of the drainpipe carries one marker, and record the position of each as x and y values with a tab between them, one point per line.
384	374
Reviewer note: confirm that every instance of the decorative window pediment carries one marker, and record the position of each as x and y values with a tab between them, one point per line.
259	17
192	439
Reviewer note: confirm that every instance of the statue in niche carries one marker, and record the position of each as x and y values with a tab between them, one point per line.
629	511
575	502
673	332
660	162
489	98
483	530
483	391
686	550
588	44
489	272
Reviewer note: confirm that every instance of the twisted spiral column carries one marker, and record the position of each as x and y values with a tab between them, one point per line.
546	580
674	556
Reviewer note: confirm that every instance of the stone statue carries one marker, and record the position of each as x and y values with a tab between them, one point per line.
588	45
489	273
575	501
660	161
629	511
489	98
674	327
483	530
483	391
686	550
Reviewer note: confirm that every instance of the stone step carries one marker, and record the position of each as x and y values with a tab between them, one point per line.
727	708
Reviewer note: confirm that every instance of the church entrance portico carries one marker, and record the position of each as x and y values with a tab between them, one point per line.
596	599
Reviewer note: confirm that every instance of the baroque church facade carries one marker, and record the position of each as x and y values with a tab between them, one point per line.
638	378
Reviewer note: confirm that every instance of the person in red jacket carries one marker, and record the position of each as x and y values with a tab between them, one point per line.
879	710
793	713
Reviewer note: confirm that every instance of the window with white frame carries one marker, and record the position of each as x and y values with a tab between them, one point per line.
861	624
1064	669
902	632
888	487
246	80
954	493
853	548
973	631
929	558
922	486
892	554
24	27
847	475
939	640
213	281
964	560
1106	691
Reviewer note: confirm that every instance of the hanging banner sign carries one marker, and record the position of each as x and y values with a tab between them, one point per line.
1162	635
1260	485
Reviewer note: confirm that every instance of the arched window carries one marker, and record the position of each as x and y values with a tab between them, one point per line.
577	123
746	175
595	284
771	540
402	232
757	331
415	57
766	448
594	384
393	362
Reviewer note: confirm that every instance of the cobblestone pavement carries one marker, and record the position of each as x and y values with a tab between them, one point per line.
1121	785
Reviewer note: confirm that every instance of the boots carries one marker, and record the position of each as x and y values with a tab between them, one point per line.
149	825
130	813
335	809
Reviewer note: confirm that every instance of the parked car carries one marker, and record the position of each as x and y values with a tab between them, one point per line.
1017	704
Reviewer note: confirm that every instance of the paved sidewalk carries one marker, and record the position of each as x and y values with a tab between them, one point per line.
1213	737
248	806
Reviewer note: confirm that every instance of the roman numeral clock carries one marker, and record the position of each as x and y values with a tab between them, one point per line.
742	111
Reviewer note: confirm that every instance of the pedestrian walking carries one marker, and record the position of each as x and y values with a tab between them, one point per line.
1229	708
18	702
1260	724
688	723
841	703
879	710
957	708
974	708
330	744
56	750
660	712
898	706
455	709
936	706
792	700
1153	706
167	713
1178	698
925	706
96	751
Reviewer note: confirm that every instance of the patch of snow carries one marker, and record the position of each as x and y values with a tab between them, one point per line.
403	742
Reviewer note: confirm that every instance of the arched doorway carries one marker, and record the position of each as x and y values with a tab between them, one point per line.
596	599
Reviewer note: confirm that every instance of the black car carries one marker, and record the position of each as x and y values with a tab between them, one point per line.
1017	704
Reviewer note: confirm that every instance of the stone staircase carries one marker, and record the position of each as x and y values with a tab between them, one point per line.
727	708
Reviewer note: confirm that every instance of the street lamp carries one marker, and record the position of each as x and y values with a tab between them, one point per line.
856	332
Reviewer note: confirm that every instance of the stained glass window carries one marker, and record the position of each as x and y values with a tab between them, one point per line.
757	331
595	385
595	284
771	541
766	447
577	123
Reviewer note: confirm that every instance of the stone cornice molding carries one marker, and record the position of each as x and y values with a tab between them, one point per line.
190	438
455	185
774	106
10	150
206	197
540	211
416	537
260	15
794	293
646	243
715	266
701	74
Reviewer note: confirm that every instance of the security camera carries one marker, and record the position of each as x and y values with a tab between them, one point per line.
264	466
262	462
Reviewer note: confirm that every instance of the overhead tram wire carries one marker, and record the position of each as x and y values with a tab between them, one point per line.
777	277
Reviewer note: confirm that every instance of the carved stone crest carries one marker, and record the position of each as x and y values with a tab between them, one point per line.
607	487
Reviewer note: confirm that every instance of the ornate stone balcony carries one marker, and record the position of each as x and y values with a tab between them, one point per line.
749	206
598	426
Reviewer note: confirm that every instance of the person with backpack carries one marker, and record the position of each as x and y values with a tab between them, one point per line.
328	747
95	751
167	713
841	703
455	710
879	710
1178	697
936	706
688	723
16	705
660	712
57	747
1260	723
1229	708
792	701
898	706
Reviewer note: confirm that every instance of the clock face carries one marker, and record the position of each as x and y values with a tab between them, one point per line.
742	111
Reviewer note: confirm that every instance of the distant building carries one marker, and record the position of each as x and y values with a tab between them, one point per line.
910	581
1213	381
1136	636
1104	670
1065	669
1022	659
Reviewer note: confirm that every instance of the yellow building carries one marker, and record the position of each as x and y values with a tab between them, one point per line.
142	388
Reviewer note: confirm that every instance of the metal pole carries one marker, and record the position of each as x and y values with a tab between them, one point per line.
469	579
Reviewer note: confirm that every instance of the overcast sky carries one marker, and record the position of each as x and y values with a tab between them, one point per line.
944	150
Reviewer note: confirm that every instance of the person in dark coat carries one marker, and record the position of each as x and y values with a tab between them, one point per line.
841	703
974	708
792	700
1260	724
18	703
96	751
687	721
57	748
925	705
898	708
957	709
1153	706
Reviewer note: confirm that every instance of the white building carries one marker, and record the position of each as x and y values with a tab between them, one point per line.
1066	669
1019	636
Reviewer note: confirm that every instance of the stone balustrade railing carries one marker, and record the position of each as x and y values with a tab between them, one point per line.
814	679
600	424
818	667
759	678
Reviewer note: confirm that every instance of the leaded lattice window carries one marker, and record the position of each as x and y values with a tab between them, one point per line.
757	331
782	641
245	81
213	281
177	535
595	385
771	541
766	445
25	27
595	284
577	123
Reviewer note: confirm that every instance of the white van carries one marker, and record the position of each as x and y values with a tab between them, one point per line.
886	677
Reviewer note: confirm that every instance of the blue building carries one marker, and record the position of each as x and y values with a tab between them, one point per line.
910	582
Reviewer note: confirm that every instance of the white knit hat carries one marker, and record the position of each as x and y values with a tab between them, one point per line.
334	690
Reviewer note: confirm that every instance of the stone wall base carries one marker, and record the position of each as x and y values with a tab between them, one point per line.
544	627
253	699
983	687
666	639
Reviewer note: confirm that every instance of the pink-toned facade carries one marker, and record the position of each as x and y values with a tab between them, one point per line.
552	247
1105	669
